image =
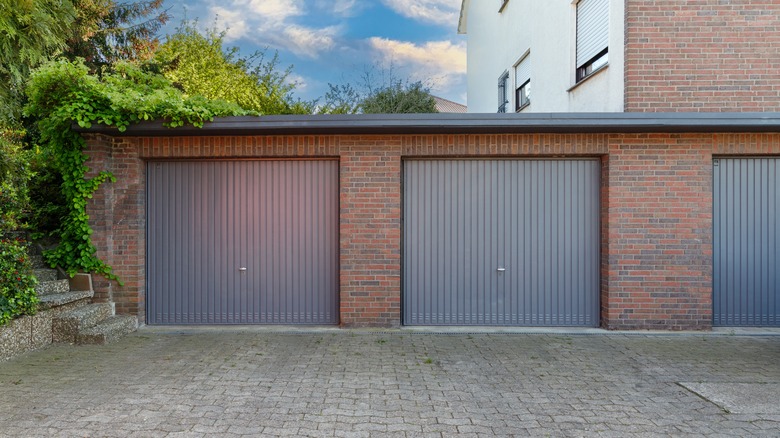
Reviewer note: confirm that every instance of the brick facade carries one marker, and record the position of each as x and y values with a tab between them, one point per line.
702	55
656	208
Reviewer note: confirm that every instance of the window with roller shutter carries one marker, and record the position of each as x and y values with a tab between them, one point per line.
592	36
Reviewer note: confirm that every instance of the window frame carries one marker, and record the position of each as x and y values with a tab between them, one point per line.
523	96
522	90
503	91
586	68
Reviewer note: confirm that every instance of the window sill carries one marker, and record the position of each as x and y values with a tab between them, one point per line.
586	78
523	107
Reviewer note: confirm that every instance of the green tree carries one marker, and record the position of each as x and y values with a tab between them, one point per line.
107	31
200	65
378	91
400	99
31	32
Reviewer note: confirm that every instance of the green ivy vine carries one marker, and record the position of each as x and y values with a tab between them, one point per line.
62	93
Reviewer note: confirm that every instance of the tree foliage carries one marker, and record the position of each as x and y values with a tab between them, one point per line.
31	32
378	91
62	93
107	31
100	31
17	284
400	99
200	65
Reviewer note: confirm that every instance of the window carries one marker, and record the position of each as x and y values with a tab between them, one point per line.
592	36
523	83
503	97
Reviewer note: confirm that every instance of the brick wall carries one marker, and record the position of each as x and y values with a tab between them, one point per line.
659	237
656	207
118	219
101	210
702	55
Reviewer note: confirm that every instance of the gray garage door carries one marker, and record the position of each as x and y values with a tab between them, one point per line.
242	242
501	242
746	241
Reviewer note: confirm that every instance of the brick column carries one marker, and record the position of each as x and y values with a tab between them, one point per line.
659	232
117	216
100	209
370	232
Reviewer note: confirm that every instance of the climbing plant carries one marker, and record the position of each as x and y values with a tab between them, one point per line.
62	93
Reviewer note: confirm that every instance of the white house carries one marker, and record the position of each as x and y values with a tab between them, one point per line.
544	55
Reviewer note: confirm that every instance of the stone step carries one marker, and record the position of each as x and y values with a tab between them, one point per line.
52	287
58	300
109	330
37	261
66	326
45	274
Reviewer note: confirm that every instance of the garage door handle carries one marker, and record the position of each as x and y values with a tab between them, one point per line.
501	269
242	269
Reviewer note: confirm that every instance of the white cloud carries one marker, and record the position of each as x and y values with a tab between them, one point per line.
231	20
309	42
272	10
442	12
273	23
341	8
439	64
301	83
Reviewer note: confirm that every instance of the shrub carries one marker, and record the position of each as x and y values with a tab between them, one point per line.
47	203
17	283
15	174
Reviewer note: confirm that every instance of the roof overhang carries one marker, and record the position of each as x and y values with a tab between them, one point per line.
443	123
463	20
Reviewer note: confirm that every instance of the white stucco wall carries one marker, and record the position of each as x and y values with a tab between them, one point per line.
497	41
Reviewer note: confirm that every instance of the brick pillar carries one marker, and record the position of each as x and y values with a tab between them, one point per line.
100	209
117	216
129	227
604	248
659	232
370	232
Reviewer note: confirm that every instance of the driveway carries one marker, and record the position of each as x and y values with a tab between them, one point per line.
261	382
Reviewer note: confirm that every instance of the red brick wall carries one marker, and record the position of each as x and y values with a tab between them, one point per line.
702	55
118	219
659	236
101	210
370	216
656	212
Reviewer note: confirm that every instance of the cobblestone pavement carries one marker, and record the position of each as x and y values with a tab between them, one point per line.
249	382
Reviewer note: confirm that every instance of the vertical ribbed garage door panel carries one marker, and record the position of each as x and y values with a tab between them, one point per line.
746	210
538	219
277	219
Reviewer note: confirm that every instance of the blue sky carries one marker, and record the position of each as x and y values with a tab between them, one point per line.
337	40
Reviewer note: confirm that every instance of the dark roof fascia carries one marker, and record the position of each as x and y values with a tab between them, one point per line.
452	123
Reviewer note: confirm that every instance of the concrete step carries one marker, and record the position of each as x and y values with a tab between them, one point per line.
52	287
66	326
45	274
58	300
109	330
37	261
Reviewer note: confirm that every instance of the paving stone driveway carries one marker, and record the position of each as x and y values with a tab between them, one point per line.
236	382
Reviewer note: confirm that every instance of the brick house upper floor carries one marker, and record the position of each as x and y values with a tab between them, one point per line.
622	55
